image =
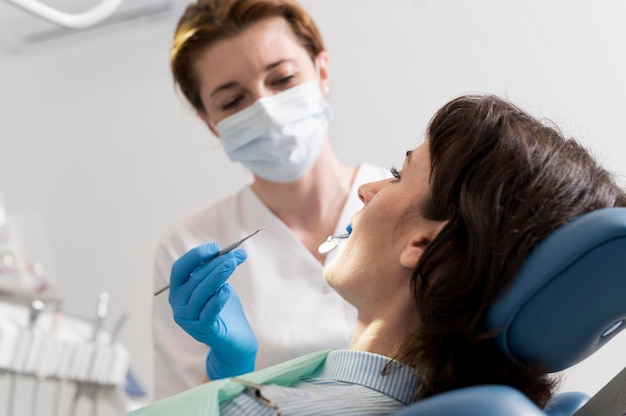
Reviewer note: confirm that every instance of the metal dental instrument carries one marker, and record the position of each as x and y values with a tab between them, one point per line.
118	328
333	241
36	307
222	251
60	382
237	243
26	340
101	313
84	387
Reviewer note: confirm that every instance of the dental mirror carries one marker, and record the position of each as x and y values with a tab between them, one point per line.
333	241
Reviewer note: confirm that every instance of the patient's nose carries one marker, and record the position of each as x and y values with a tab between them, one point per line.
368	190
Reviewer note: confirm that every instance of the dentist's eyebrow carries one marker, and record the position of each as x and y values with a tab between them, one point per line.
223	87
275	64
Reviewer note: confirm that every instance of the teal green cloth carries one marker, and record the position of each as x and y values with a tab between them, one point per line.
206	399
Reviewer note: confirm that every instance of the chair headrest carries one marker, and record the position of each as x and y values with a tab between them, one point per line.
569	297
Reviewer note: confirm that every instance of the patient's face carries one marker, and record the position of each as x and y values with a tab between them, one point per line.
370	267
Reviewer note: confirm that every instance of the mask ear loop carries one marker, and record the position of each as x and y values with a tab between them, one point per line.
213	127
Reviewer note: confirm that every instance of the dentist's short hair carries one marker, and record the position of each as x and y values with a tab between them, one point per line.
205	22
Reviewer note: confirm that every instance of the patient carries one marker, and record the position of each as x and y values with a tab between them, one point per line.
430	251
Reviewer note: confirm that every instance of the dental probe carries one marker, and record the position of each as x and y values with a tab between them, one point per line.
219	253
333	241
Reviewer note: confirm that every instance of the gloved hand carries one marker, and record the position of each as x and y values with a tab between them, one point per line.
209	310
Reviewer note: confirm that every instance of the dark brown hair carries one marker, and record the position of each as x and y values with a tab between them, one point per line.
208	21
503	180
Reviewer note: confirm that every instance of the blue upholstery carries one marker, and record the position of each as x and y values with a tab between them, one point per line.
566	404
493	400
487	400
566	302
568	294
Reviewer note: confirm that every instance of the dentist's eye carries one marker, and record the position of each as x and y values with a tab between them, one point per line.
231	104
395	174
284	81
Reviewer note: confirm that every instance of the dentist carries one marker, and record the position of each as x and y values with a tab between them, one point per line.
257	74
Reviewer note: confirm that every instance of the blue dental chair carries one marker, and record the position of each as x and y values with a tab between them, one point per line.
567	301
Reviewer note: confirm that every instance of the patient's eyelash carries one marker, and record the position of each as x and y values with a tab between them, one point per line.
395	173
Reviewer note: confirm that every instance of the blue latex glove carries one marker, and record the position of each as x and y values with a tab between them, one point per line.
209	310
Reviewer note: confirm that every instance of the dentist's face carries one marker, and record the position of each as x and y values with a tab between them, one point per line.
265	59
388	235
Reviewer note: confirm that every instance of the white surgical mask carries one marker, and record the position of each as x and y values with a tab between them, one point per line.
278	137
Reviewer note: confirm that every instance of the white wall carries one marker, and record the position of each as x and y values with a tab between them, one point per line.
94	140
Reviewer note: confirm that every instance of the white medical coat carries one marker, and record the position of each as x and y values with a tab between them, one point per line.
291	309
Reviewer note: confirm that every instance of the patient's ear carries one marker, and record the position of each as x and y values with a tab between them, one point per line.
418	242
412	252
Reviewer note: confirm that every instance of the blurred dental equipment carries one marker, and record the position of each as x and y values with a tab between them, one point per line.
22	274
82	20
333	241
43	349
51	350
222	251
25	342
